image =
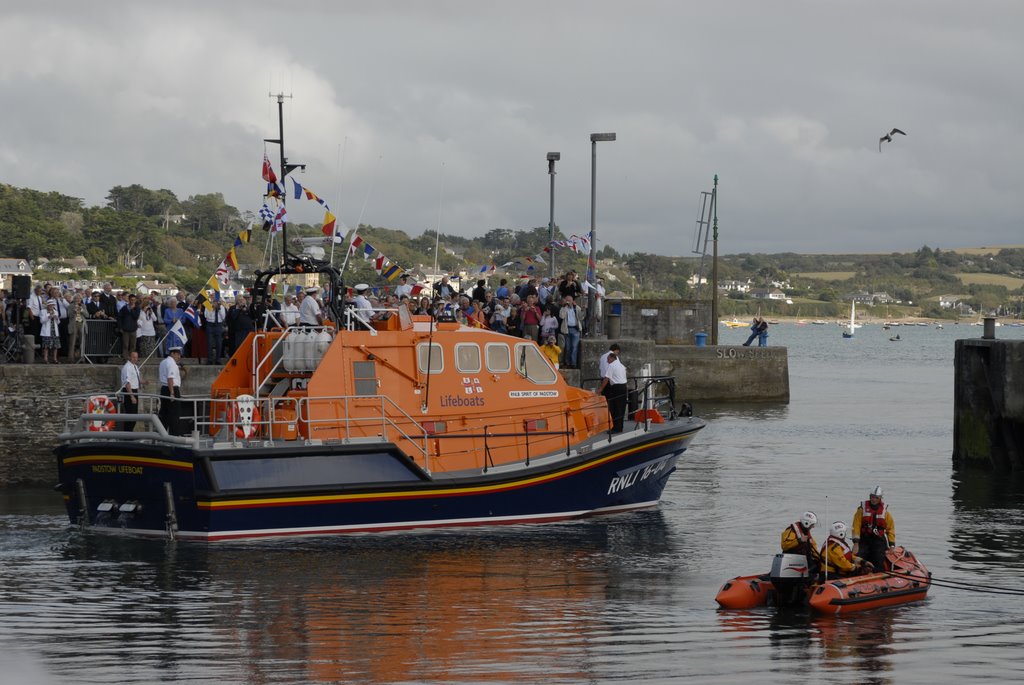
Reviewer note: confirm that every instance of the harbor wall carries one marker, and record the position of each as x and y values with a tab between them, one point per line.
988	403
32	413
721	373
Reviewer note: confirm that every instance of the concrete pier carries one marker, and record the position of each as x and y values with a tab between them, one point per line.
988	403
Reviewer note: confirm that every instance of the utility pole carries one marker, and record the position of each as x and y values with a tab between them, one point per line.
552	158
714	264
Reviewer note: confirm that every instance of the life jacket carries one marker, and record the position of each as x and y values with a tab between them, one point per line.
803	541
872	520
843	545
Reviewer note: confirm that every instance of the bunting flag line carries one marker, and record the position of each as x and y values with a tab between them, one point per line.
392	272
354	243
267	214
279	219
379	264
329	222
268	171
231	260
190	312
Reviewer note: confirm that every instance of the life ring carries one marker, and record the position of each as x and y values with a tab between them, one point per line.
100	404
245	416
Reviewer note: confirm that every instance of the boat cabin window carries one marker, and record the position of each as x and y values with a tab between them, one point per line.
498	358
467	357
532	364
428	355
364	376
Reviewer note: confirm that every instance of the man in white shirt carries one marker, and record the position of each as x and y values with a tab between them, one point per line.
170	391
289	312
404	287
603	361
309	310
615	382
362	305
131	383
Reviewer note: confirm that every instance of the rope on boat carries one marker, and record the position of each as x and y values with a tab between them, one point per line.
961	585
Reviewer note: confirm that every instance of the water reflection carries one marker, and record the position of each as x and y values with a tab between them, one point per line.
505	605
862	643
988	535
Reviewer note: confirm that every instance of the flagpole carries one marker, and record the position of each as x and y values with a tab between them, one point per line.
341	183
348	253
437	231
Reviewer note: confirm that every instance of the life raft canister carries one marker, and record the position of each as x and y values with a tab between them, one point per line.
100	404
245	416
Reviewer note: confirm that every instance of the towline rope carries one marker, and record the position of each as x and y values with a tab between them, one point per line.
961	585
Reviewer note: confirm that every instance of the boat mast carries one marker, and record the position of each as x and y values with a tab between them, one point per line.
285	167
714	264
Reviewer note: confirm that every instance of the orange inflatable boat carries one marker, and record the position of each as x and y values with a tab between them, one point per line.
904	579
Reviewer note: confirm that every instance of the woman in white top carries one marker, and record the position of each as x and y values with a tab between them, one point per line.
147	329
49	331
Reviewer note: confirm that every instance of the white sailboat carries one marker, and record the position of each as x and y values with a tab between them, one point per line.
848	333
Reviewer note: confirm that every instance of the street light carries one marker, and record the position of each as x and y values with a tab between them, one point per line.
552	158
595	138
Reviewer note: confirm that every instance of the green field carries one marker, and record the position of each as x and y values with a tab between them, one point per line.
1010	282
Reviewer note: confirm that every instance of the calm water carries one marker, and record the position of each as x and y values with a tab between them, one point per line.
626	598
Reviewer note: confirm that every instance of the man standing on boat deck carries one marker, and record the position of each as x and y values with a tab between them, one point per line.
615	382
170	391
362	306
131	382
309	309
873	528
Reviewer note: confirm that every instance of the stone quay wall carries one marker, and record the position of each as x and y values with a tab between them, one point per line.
32	412
988	403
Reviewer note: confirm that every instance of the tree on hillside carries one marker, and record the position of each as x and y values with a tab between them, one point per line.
123	234
143	201
210	216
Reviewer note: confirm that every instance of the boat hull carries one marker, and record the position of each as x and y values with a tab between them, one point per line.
245	493
746	592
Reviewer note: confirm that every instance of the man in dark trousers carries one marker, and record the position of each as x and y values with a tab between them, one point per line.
615	382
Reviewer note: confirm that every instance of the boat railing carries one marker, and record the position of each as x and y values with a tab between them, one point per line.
246	419
648	398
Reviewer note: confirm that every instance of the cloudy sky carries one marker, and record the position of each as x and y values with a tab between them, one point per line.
414	115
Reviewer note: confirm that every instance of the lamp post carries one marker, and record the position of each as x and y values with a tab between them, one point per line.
552	158
595	138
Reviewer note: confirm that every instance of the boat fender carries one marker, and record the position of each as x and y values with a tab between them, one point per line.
245	416
100	404
323	341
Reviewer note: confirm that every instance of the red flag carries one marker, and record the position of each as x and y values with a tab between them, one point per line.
268	171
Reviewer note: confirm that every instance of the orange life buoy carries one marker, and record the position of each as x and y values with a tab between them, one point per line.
245	416
100	404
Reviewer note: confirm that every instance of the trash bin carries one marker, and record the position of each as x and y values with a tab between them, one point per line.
614	323
701	338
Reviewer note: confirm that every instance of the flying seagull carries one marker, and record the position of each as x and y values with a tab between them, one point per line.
887	138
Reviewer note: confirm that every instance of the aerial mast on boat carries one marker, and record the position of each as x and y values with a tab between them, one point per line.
286	168
714	263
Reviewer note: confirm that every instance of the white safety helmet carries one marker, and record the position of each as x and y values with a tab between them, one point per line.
877	492
838	530
808	520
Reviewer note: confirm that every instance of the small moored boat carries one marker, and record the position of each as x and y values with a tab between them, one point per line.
904	579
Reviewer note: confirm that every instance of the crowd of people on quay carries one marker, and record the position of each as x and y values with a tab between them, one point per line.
550	311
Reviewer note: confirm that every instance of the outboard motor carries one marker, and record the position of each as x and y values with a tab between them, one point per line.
791	574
